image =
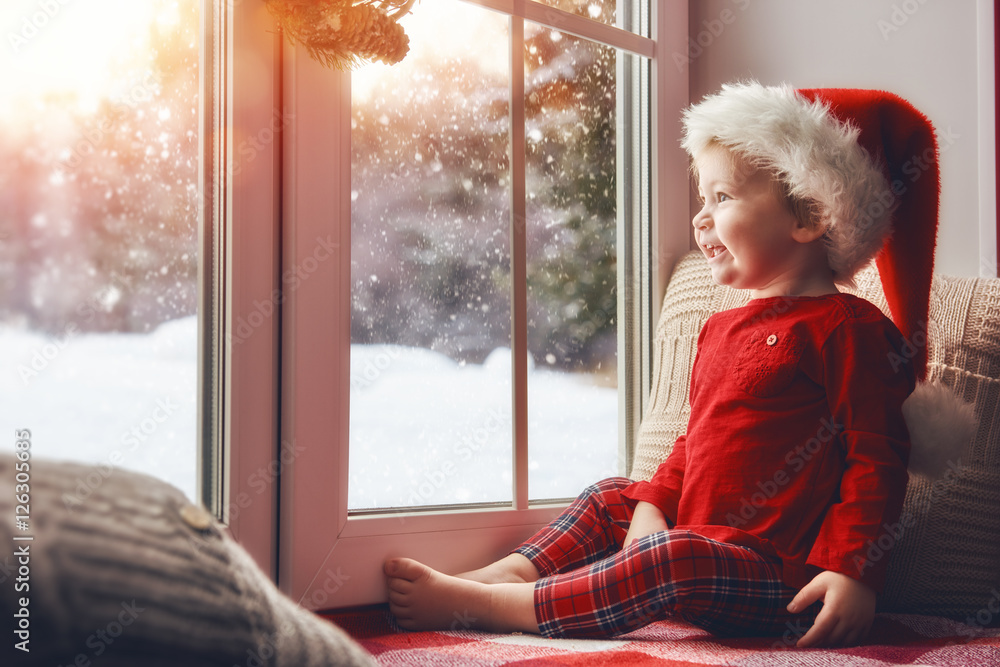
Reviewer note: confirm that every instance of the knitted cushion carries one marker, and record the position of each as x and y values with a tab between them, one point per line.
946	558
127	572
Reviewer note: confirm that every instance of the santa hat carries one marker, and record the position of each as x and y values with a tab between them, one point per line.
867	162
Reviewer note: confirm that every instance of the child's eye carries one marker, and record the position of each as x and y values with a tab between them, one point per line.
723	197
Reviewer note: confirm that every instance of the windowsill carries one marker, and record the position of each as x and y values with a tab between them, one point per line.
457	519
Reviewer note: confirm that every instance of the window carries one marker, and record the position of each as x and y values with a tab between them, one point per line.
501	167
133	310
432	264
430	267
99	237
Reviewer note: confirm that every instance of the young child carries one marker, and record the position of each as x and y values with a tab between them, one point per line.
795	457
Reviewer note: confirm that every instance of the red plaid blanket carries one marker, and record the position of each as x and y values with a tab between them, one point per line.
896	639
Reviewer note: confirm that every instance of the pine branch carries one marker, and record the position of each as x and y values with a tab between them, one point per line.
342	34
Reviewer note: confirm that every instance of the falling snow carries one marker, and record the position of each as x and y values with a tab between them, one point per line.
95	398
103	202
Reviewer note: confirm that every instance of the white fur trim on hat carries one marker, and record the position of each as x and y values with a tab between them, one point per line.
817	156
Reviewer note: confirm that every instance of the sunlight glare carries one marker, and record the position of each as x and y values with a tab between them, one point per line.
438	31
69	50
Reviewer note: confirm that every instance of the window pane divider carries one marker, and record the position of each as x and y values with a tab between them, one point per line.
250	266
211	265
564	21
519	261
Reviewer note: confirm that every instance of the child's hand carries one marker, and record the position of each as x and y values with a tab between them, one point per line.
847	614
646	520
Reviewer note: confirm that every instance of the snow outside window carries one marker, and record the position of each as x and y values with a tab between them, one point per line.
99	248
431	263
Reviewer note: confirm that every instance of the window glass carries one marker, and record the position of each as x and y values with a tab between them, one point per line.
621	13
430	266
570	117
98	233
431	420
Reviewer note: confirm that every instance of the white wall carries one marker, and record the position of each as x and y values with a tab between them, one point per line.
932	52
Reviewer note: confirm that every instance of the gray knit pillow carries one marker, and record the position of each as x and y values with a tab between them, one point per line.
135	575
946	559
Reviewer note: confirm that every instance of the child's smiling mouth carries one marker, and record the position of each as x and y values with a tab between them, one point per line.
713	250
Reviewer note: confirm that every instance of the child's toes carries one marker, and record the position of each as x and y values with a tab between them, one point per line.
398	585
390	566
398	605
409	569
399	598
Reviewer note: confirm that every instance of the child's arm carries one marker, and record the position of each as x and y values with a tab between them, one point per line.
866	385
865	388
847	614
663	492
646	520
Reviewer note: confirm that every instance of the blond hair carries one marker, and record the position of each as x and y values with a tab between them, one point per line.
804	210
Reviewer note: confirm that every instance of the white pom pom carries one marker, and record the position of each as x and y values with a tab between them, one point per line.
941	426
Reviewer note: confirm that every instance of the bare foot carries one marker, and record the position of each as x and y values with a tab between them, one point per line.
512	569
421	598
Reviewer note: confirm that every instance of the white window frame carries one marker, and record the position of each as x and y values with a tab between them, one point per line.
295	191
240	178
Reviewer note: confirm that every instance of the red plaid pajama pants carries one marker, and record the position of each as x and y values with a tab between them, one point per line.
591	587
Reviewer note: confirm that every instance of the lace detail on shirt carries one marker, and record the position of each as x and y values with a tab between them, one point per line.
766	362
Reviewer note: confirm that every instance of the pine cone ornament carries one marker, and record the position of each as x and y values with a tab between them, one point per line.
341	34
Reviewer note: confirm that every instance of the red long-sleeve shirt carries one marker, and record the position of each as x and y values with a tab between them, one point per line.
796	445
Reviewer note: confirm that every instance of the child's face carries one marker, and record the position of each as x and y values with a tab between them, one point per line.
744	229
